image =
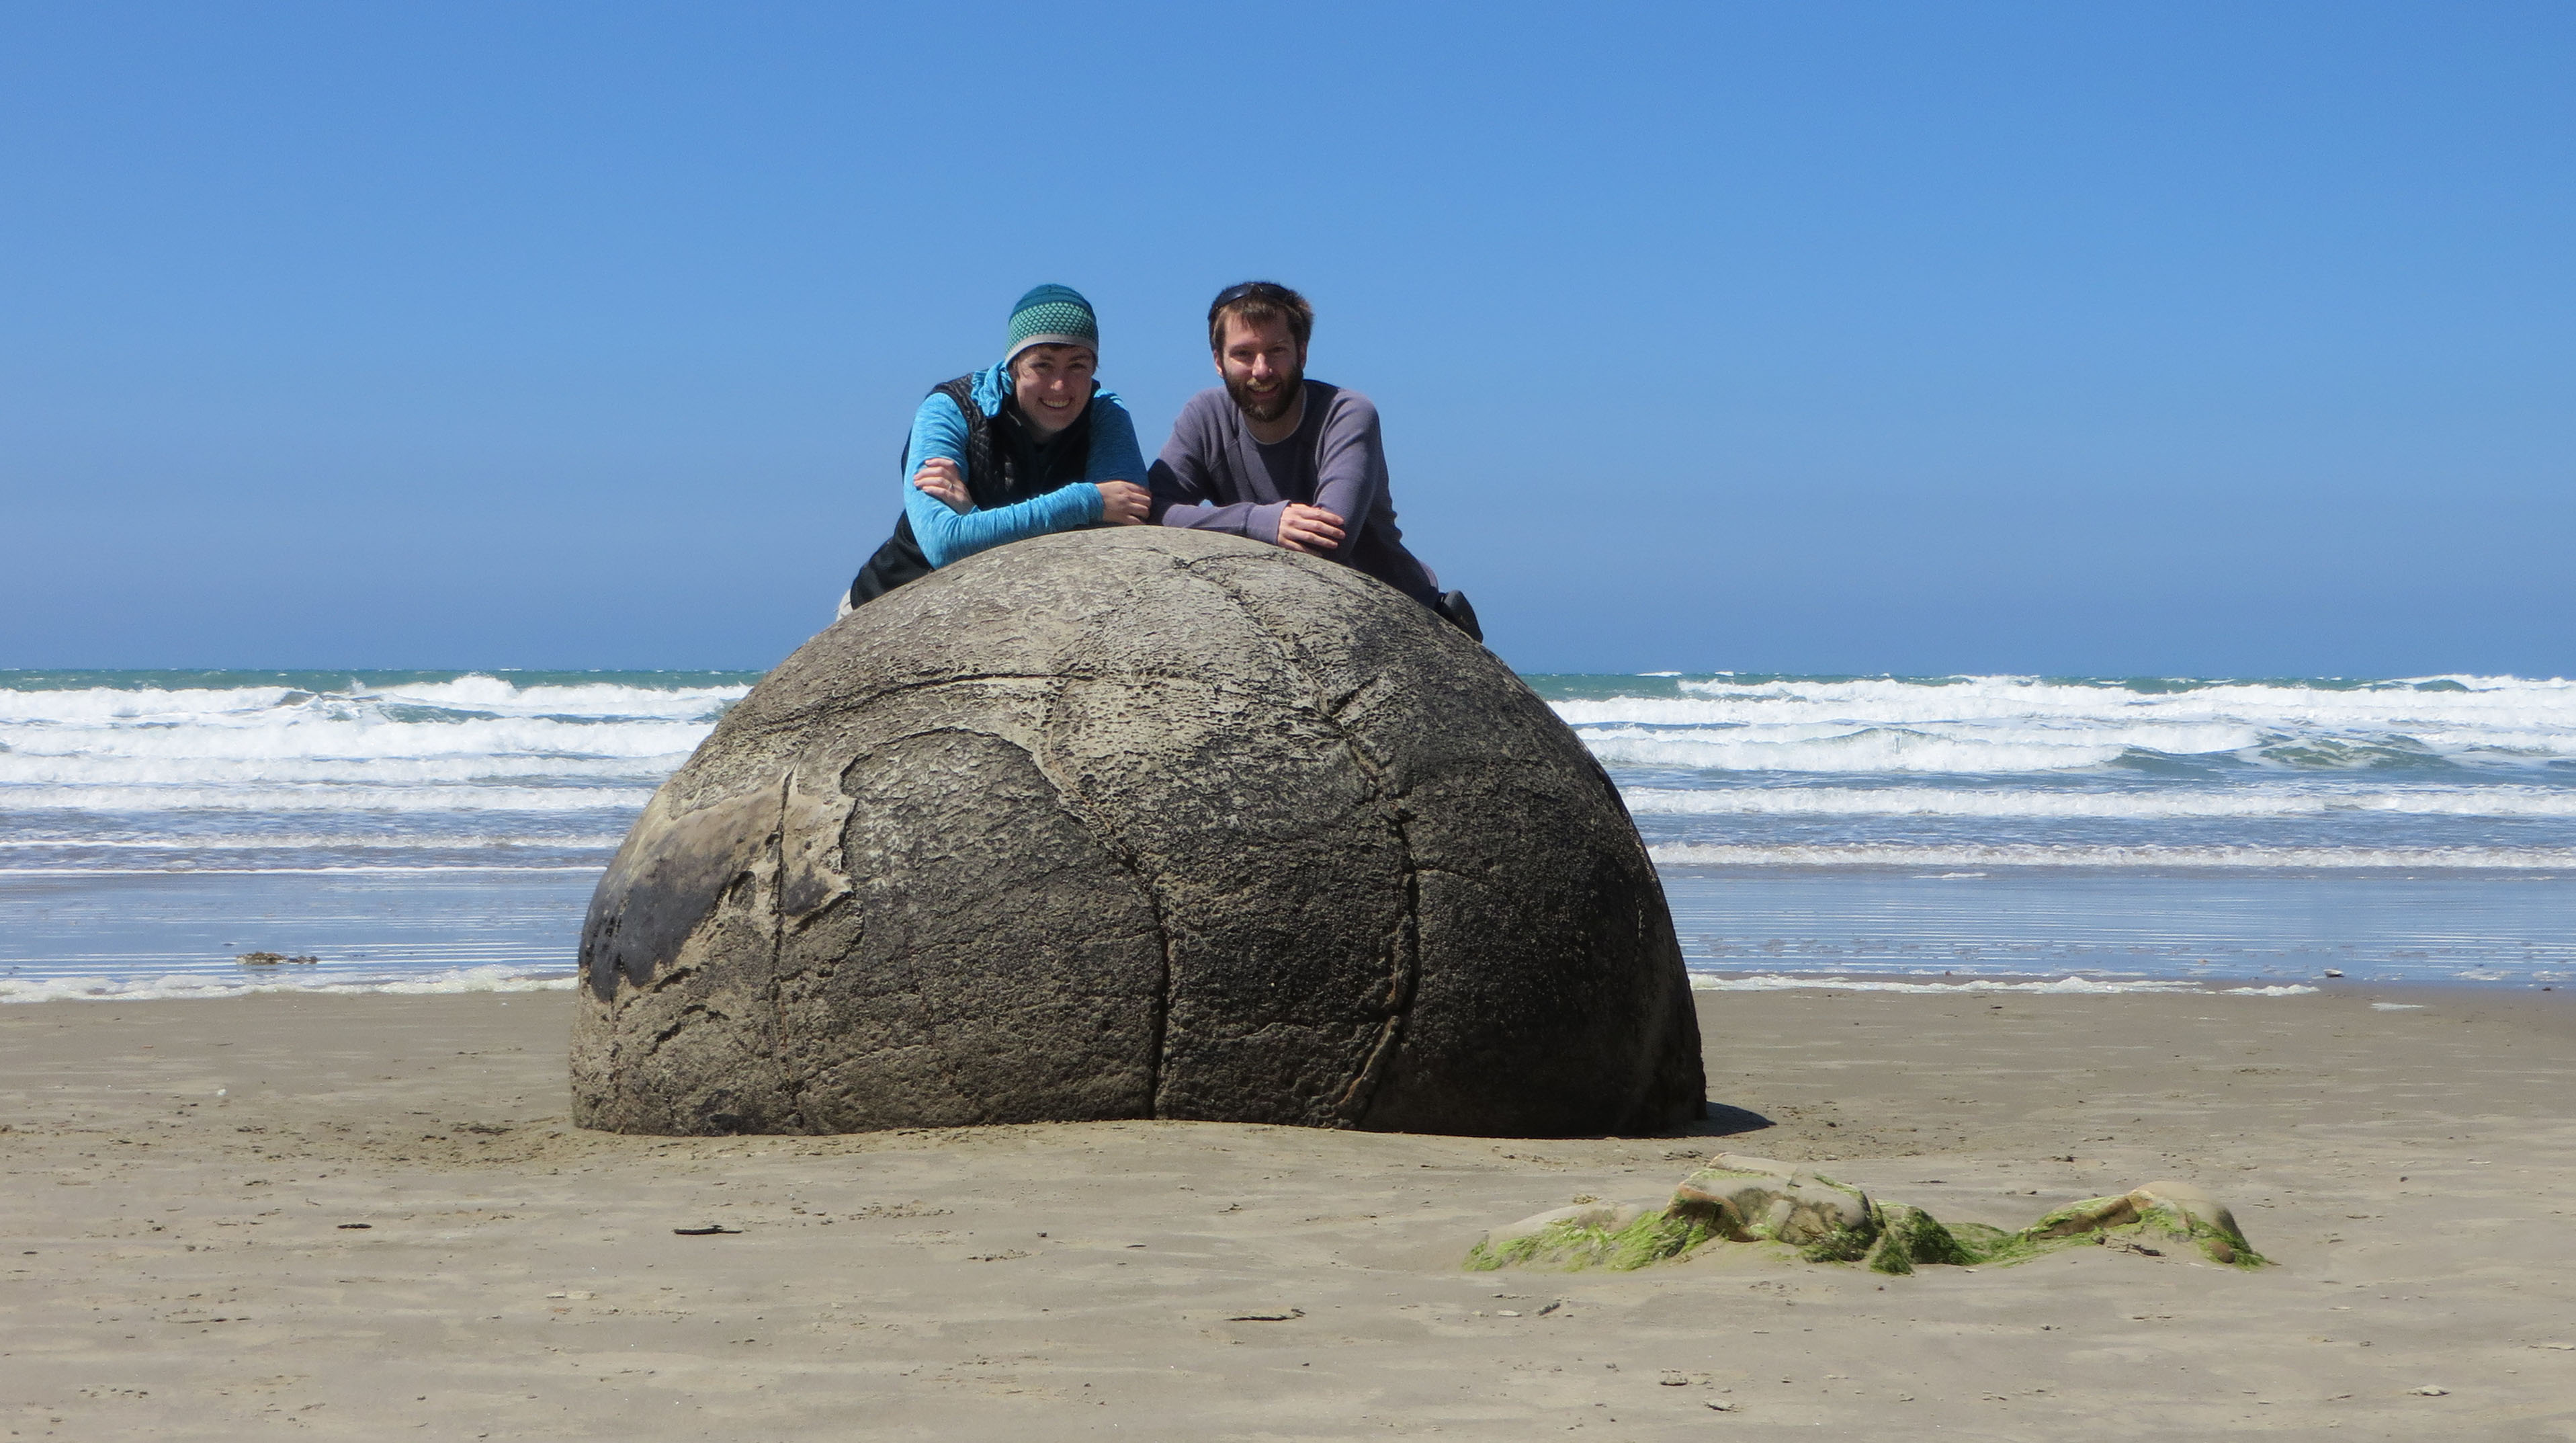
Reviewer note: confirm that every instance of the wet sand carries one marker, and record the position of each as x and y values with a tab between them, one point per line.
184	1182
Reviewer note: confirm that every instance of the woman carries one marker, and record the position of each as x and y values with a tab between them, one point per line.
1026	447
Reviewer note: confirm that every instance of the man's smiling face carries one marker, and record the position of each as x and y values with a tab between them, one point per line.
1262	366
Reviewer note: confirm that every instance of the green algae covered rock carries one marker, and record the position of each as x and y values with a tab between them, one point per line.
2179	1213
1735	1198
1755	1199
1908	1235
1595	1235
1740	1199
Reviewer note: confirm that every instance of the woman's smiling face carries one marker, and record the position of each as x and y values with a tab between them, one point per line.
1052	385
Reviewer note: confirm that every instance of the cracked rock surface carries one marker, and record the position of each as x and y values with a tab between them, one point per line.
1136	823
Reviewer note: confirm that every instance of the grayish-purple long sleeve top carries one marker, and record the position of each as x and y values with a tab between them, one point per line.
1213	476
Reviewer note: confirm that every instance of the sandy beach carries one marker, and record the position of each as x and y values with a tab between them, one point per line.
367	1217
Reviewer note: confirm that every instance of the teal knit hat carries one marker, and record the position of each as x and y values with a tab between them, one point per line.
1052	316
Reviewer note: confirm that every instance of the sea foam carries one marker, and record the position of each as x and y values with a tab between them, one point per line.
2058	987
2017	724
2097	855
445	982
2246	802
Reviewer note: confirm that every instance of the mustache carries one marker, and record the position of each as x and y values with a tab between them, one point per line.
1272	404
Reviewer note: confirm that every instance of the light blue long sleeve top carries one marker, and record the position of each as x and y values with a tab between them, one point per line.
939	429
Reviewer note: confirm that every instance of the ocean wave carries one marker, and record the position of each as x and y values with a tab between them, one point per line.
1890	724
2140	804
473	743
189	984
490	693
327	798
2550	703
2073	855
272	739
352	841
1878	750
2172	737
467	695
19	770
421	869
2059	987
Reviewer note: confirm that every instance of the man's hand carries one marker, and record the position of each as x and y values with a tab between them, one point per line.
940	477
1310	529
1124	503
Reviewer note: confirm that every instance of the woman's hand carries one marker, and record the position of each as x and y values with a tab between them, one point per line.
941	478
1124	503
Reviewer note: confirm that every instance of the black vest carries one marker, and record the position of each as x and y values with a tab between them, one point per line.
1002	469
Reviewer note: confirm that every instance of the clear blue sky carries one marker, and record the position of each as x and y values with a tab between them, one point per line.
2215	339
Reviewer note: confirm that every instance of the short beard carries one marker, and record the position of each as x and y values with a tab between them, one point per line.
1281	402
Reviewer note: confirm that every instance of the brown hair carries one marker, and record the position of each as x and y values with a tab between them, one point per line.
1258	303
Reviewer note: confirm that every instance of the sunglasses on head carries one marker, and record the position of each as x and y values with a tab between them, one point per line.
1249	290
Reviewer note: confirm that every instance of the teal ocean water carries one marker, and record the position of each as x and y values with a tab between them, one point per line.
440	830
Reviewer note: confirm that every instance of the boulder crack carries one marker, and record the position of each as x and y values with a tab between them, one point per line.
1116	847
791	1082
1405	945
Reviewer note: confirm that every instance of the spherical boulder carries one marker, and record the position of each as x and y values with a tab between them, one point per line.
1136	823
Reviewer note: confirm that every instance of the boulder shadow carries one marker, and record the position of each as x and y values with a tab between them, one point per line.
1724	1121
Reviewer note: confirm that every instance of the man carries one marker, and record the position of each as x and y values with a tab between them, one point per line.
1276	457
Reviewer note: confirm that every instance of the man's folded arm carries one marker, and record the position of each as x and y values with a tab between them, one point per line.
1178	499
1349	468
